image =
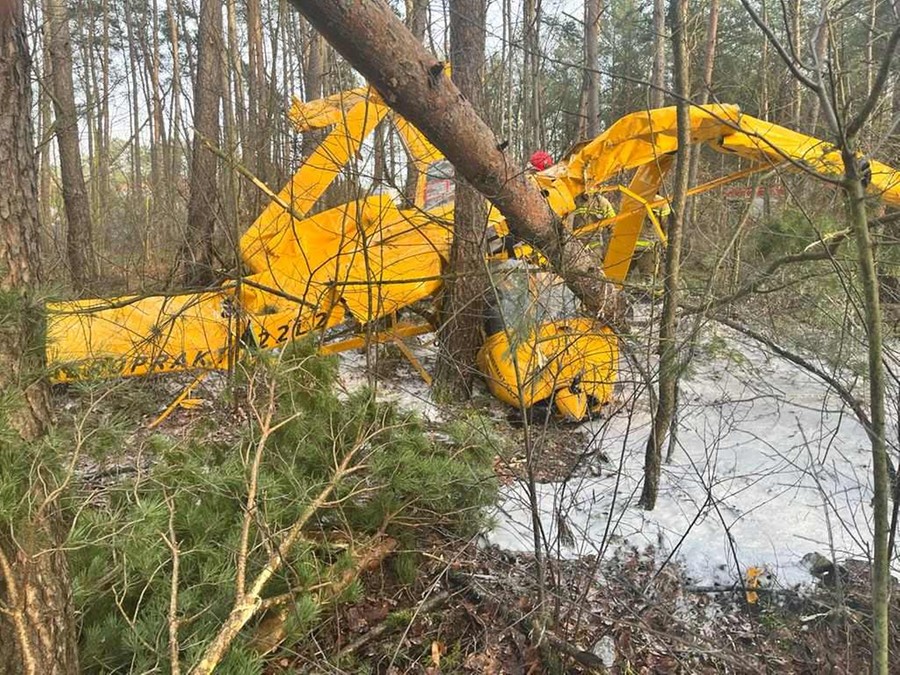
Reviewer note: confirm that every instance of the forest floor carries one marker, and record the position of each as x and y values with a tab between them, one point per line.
767	468
768	471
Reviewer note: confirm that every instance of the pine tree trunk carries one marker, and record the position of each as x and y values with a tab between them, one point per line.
591	83
79	246
240	107
258	100
709	61
416	18
820	48
668	328
37	624
461	334
137	169
658	69
45	104
158	151
103	147
175	168
764	101
796	85
313	70
197	251
531	119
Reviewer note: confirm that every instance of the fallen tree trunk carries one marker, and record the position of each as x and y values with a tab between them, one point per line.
414	83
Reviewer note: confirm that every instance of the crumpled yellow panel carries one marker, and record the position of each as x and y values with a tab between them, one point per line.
575	361
138	336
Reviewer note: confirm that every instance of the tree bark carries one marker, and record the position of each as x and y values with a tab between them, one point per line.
531	62
591	83
416	21
797	87
104	127
258	101
197	250
412	81
79	246
668	329
461	334
37	623
881	569
820	49
658	69
313	72
709	61
137	168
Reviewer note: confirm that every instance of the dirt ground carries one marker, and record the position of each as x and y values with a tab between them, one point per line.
475	612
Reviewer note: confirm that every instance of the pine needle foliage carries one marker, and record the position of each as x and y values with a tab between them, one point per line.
409	486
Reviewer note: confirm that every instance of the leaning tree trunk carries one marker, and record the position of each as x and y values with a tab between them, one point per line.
412	81
197	249
668	351
461	333
37	625
79	245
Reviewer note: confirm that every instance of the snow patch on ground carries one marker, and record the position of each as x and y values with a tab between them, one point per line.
407	389
769	465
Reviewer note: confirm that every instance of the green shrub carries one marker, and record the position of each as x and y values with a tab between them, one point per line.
121	558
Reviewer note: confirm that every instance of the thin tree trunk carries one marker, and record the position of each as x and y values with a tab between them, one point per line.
79	246
258	99
820	48
374	41
313	73
591	82
461	334
197	251
89	87
103	148
416	21
668	329
158	151
764	69
45	104
797	86
709	60
177	149
531	122
658	69
881	571
870	45
234	51
137	169
37	625
231	197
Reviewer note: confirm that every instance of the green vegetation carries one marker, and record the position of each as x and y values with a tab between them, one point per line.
407	487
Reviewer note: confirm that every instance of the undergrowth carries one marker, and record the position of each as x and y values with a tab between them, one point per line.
407	486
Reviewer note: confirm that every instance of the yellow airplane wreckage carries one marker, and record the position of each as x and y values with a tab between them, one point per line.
365	260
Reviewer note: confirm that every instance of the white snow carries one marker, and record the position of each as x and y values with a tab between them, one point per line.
769	466
407	390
